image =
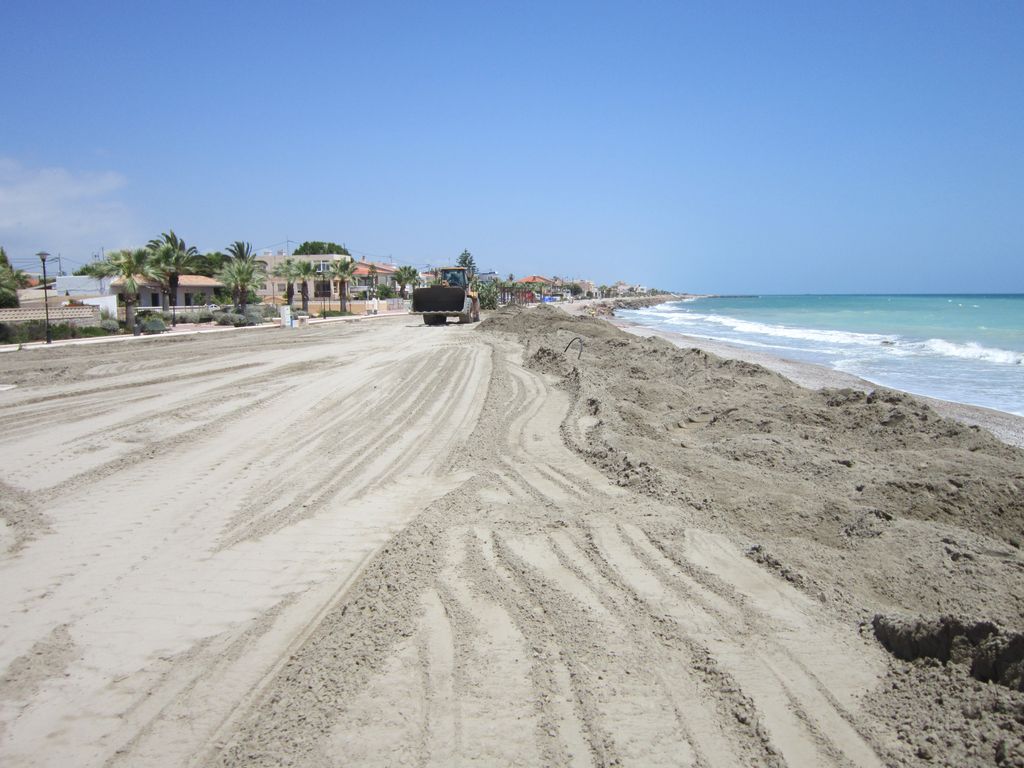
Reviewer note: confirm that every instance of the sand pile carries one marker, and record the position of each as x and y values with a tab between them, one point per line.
872	503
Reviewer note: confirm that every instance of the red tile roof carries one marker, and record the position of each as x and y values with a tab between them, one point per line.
184	281
363	268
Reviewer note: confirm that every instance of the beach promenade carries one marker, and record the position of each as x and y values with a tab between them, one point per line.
383	543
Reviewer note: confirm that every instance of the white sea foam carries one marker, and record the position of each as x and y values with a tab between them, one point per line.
764	329
971	351
823	341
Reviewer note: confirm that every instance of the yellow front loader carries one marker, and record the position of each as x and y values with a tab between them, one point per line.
451	297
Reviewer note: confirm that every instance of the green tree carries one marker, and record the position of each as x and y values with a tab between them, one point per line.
86	270
209	264
288	271
305	271
172	258
342	270
240	276
8	284
385	292
240	250
170	262
407	276
171	239
129	266
466	260
320	248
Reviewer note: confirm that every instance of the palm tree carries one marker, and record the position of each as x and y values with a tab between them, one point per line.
305	271
373	281
11	280
239	276
342	270
175	258
170	262
8	287
287	271
240	250
407	276
169	238
129	266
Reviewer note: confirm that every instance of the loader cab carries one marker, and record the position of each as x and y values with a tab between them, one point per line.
454	277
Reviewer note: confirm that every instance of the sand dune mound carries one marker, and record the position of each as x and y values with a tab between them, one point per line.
871	503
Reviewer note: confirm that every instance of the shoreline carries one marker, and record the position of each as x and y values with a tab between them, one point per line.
1008	427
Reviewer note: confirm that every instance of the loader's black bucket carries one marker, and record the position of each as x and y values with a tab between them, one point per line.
438	298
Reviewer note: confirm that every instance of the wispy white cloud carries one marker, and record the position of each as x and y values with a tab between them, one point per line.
57	209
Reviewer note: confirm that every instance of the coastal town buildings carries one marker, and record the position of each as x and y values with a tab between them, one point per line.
488	277
368	274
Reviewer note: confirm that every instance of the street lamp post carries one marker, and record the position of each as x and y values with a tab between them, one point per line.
43	256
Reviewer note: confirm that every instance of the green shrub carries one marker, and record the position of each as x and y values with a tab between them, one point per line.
489	296
385	292
146	312
253	316
35	330
231	318
154	325
110	325
8	333
195	316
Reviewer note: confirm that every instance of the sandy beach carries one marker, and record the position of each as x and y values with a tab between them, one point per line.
382	543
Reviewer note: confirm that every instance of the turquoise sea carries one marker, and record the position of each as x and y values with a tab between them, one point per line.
965	348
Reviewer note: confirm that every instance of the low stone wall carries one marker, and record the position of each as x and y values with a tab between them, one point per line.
361	307
80	316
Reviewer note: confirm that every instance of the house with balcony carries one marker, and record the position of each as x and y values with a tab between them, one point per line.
371	274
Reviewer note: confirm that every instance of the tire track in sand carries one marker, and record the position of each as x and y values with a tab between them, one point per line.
532	617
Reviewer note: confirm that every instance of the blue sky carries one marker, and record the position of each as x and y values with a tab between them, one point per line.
718	147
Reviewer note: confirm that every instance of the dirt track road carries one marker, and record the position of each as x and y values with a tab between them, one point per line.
367	544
